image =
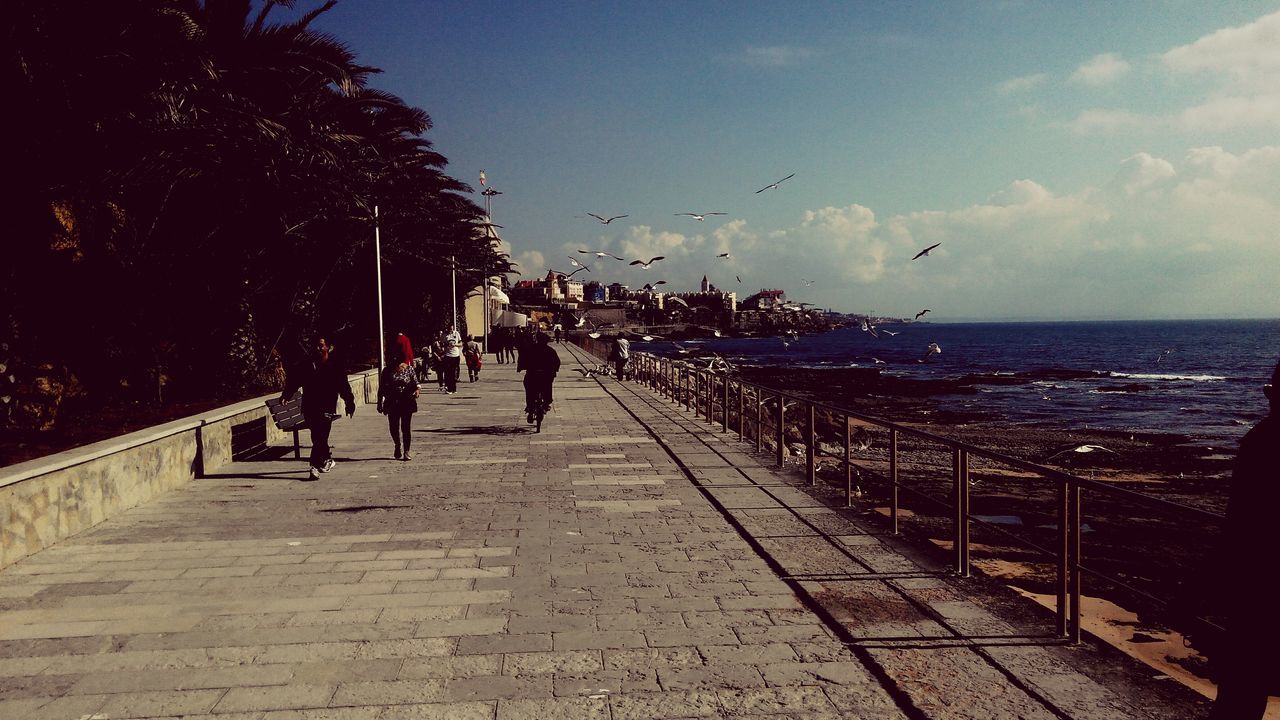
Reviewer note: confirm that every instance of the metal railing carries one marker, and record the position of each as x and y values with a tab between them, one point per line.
760	415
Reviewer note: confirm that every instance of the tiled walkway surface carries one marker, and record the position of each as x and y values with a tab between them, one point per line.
627	562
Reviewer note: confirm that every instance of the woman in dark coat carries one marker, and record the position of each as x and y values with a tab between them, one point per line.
398	399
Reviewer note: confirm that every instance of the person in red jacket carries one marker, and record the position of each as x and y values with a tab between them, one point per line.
322	382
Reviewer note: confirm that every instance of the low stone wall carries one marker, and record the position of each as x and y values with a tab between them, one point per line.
47	499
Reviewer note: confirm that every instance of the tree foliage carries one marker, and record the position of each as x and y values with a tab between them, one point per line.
191	190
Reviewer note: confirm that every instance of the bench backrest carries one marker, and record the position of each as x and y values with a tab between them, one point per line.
287	415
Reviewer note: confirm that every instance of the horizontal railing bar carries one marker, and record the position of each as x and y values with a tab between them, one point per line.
1041	470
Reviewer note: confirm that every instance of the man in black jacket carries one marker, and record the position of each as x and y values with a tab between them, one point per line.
540	364
322	381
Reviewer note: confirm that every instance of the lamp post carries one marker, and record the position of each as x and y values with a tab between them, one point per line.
488	194
377	255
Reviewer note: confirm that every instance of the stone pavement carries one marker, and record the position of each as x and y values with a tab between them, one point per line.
627	562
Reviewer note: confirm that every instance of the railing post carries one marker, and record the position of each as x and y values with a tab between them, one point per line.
848	466
893	480
1064	551
724	405
964	513
782	433
811	443
759	420
1074	543
689	400
957	511
741	407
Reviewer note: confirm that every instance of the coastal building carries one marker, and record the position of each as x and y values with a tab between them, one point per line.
553	289
765	300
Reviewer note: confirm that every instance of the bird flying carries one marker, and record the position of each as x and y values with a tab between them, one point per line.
701	216
606	221
650	286
565	275
925	251
933	349
600	254
774	186
723	255
890	333
575	263
1082	449
645	265
922	312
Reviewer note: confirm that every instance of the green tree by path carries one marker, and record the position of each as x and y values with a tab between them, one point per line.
191	188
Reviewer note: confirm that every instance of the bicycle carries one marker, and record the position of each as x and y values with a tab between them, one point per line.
538	407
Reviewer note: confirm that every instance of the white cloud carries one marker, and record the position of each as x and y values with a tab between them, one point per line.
1249	54
772	56
1104	120
1101	70
1021	84
1143	173
1228	112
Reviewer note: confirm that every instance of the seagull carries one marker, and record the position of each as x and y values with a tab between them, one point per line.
738	278
1081	449
645	265
925	251
586	372
606	221
716	333
774	186
932	350
723	255
593	335
650	286
877	361
580	321
869	328
808	283
680	348
1163	354
575	263
600	254
701	216
786	343
677	300
891	333
922	312
566	276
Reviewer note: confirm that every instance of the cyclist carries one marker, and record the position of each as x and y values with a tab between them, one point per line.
540	364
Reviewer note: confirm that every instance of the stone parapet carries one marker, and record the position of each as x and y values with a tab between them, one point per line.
47	499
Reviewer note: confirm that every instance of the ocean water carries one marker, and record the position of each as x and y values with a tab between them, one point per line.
1201	378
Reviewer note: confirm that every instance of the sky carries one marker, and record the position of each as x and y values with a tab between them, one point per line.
1083	160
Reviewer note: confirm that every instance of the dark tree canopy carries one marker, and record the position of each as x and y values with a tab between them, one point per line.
191	189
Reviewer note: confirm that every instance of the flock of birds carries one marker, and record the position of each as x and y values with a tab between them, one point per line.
602	255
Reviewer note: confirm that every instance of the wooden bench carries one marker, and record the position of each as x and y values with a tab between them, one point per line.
288	417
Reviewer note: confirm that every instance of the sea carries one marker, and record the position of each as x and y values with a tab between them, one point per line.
1198	378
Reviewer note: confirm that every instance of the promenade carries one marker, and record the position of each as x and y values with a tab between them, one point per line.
628	562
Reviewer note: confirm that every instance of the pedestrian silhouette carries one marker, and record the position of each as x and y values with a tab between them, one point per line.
1248	665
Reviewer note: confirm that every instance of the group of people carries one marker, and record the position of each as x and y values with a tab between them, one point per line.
323	382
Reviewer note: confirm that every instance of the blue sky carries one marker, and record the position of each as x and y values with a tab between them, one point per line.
1075	160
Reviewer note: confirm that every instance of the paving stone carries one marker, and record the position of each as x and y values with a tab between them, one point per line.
278	697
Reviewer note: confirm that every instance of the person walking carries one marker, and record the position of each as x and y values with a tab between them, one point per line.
559	330
398	399
619	354
322	382
498	343
452	360
474	355
539	362
1248	669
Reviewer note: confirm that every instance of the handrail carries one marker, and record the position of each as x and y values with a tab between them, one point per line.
686	385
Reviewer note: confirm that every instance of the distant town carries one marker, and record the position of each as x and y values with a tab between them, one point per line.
592	306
